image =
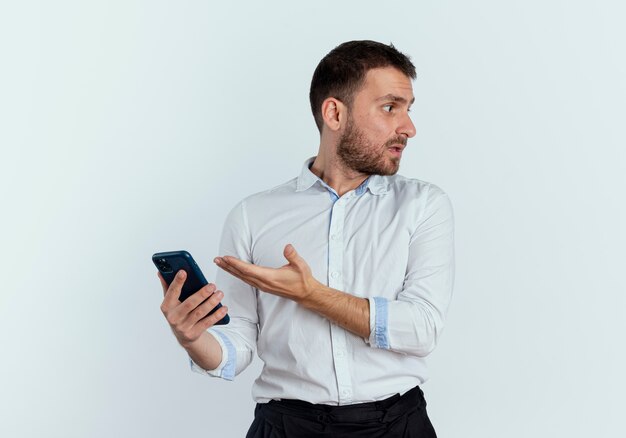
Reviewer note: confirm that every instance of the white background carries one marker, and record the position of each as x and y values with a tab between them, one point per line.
133	127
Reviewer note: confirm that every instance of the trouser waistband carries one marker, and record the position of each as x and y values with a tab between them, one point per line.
382	410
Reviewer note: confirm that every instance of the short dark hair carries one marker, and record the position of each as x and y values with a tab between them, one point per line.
341	73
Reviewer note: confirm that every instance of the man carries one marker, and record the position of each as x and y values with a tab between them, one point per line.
341	277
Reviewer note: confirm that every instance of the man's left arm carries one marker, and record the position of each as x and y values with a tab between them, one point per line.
409	324
296	282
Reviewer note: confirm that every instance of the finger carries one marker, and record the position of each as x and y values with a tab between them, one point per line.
246	279
211	320
235	272
230	269
246	269
289	252
293	257
240	265
205	308
173	291
197	298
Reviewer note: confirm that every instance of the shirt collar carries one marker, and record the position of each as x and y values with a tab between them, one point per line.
377	184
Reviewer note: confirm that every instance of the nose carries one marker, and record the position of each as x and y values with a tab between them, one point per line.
406	126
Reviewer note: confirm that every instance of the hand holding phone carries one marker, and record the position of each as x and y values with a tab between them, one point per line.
191	304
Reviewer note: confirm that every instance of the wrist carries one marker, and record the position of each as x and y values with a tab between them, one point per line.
312	295
194	345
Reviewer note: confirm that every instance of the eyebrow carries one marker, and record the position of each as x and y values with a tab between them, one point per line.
394	98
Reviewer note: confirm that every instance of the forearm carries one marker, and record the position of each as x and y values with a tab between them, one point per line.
343	309
205	351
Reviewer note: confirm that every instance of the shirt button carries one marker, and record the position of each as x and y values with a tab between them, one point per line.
345	392
334	274
340	353
334	237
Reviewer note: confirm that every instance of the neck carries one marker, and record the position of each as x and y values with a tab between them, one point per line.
333	172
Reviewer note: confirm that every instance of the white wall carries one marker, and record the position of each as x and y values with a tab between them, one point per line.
131	127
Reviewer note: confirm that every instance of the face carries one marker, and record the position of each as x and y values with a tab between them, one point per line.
378	124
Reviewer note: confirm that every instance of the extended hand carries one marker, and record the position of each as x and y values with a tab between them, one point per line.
293	280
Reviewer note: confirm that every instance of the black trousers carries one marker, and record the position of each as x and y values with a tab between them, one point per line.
397	416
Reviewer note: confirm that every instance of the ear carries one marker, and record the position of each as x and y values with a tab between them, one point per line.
334	113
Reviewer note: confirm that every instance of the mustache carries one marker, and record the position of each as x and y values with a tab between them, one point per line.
397	140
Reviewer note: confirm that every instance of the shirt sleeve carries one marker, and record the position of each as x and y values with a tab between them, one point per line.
412	323
237	338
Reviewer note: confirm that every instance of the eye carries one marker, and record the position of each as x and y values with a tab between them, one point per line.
387	108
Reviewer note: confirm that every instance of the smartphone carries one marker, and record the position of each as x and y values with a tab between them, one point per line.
169	263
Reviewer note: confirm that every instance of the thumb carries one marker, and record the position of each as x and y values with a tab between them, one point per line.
291	254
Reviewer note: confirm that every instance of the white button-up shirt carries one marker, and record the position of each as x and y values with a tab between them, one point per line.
389	241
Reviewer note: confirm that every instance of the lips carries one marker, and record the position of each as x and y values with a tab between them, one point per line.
396	145
396	151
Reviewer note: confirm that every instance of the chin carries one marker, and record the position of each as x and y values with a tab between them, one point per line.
388	171
393	168
384	167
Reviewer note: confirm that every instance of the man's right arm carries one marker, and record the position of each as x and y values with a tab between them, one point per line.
226	350
189	320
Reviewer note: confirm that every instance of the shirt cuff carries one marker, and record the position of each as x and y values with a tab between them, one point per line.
379	317
226	368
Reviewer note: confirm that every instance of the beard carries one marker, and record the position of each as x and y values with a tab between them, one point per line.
357	153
